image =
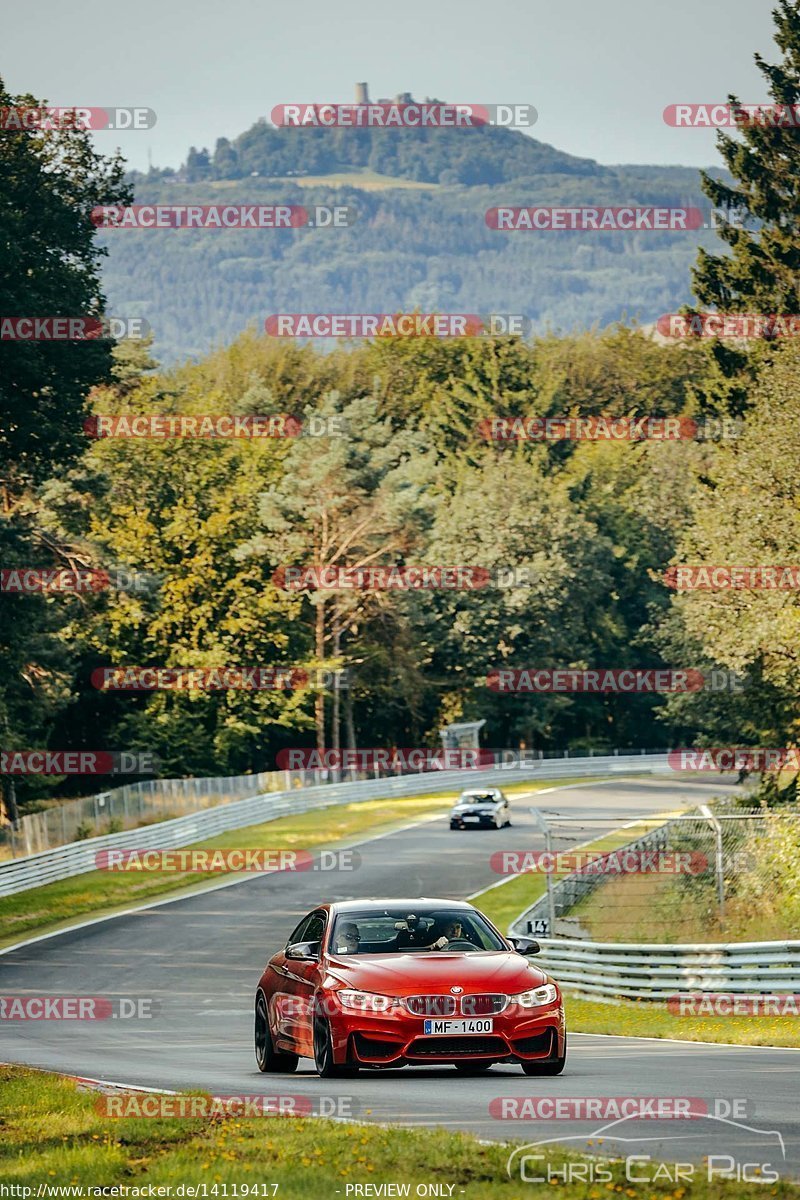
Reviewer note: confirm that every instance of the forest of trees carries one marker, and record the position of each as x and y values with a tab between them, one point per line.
595	524
425	248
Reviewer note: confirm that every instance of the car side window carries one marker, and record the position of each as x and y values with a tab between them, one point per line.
310	929
315	928
299	934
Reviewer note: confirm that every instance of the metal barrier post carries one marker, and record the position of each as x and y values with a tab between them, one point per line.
719	862
551	906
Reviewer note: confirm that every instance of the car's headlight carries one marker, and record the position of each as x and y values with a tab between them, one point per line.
365	1001
538	996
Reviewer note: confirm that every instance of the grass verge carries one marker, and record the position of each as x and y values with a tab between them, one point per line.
645	1019
54	1136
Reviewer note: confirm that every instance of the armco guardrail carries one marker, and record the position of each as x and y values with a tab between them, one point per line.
75	858
649	971
135	804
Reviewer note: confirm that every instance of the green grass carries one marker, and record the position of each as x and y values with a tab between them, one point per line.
99	893
647	908
52	1134
762	901
646	1019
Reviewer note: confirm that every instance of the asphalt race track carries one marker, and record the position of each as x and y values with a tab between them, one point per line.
200	958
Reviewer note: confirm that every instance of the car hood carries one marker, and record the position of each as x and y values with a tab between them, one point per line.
436	973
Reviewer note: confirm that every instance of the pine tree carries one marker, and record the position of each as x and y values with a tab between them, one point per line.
762	272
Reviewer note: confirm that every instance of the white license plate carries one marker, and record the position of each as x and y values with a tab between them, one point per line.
474	820
437	1028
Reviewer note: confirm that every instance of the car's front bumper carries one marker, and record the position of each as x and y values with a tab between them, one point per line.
484	821
393	1040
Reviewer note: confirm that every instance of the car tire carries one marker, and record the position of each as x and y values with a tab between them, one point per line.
323	1052
476	1068
453	826
268	1059
551	1066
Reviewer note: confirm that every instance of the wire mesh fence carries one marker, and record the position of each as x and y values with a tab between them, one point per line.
720	872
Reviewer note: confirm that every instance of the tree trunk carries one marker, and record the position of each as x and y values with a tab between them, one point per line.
10	799
335	727
350	728
8	789
319	699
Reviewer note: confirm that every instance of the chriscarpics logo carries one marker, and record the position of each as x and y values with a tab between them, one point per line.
641	1151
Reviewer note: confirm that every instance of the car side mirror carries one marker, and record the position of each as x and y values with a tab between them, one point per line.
525	945
308	951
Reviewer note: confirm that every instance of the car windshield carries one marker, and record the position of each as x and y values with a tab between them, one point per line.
399	931
478	798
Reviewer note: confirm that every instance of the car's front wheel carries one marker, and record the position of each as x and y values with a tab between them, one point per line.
547	1066
268	1059
323	1052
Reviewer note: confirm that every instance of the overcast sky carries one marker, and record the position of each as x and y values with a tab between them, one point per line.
599	74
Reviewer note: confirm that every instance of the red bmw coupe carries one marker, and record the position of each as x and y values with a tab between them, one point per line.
389	983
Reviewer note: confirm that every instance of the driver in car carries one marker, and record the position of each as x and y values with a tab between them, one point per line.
348	938
452	933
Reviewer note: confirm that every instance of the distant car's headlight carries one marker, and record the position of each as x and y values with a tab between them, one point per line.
534	999
365	1001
